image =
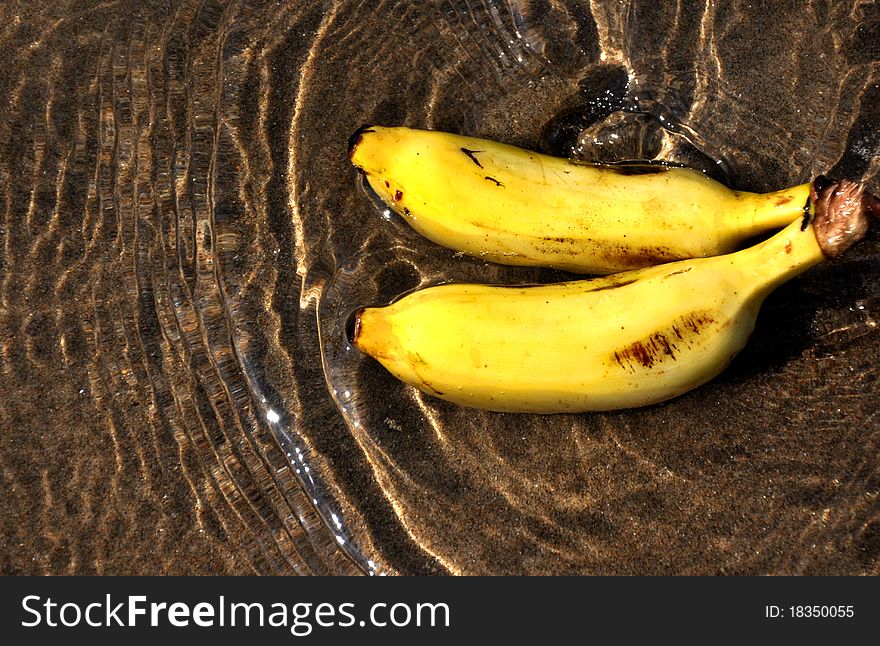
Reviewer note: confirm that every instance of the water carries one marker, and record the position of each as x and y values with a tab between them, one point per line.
185	239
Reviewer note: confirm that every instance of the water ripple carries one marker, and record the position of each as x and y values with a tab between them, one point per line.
183	240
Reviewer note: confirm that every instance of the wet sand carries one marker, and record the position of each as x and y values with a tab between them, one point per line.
184	238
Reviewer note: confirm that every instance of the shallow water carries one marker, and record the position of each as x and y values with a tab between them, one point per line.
184	239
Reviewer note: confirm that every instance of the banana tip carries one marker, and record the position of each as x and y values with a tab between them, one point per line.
356	137
353	326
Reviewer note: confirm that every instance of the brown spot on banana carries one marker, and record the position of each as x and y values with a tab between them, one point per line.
473	156
613	285
611	253
783	200
627	167
417	362
634	258
661	346
430	389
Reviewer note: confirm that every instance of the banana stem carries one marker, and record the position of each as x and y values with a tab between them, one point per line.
836	219
763	212
780	258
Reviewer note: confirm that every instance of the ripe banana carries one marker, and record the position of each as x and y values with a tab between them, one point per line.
518	207
631	339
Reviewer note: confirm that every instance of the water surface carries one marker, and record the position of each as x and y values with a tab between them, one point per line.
184	237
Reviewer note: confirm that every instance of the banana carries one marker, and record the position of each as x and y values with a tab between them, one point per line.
518	207
631	339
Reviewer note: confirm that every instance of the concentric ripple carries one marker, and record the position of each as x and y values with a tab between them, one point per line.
184	240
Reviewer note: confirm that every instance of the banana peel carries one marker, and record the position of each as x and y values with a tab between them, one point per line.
518	207
633	339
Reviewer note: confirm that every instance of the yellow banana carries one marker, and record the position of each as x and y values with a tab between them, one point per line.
518	207
632	339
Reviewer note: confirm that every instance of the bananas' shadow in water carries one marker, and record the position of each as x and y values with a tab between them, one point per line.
607	122
812	314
